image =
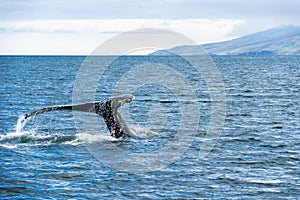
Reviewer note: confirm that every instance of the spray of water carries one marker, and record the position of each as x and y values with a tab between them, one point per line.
20	124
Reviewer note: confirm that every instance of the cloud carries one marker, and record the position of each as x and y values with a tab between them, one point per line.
164	9
91	21
82	36
195	27
256	14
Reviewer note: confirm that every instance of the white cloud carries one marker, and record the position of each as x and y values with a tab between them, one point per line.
71	37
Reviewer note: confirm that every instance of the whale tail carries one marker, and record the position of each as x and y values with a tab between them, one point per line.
114	120
107	109
119	101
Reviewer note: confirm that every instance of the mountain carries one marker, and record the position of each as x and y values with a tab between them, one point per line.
275	41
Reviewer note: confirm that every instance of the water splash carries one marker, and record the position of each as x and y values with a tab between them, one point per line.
21	137
11	140
20	124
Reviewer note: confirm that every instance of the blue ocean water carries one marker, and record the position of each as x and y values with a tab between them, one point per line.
256	156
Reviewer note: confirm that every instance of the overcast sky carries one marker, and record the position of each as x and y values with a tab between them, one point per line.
77	27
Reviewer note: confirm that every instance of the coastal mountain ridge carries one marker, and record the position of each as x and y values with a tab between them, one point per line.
276	41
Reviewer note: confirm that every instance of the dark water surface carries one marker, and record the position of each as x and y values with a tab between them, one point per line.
257	155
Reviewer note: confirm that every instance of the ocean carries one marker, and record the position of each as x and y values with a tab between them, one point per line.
65	154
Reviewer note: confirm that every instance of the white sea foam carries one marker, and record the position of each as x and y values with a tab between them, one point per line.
143	132
30	137
93	138
9	146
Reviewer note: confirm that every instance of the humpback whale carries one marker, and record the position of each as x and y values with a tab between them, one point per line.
107	109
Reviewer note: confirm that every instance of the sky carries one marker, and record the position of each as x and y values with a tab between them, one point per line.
66	27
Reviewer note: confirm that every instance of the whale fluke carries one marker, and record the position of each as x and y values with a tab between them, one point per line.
107	109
